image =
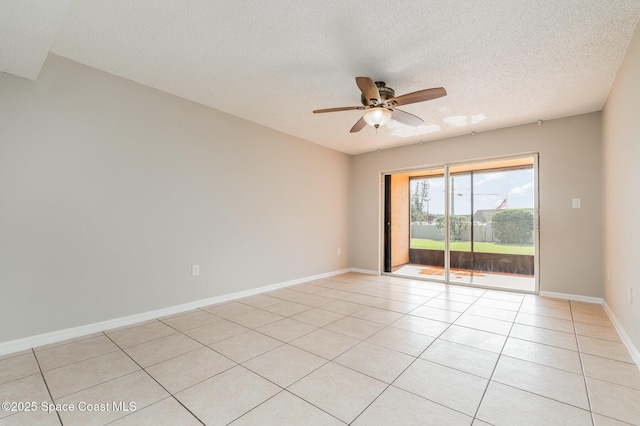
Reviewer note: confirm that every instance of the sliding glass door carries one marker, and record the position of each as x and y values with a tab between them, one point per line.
472	224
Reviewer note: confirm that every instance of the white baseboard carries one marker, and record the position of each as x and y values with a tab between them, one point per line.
83	330
633	351
364	271
576	297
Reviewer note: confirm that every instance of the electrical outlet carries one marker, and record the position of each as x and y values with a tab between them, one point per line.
195	270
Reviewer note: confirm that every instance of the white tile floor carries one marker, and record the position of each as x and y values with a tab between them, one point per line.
351	349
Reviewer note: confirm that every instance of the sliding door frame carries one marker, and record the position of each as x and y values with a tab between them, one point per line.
383	252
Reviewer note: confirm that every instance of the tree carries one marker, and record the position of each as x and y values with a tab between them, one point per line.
513	226
458	224
419	197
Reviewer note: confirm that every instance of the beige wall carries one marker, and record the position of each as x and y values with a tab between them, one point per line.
570	239
621	149
110	191
399	220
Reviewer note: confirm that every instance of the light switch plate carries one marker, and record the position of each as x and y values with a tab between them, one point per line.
576	203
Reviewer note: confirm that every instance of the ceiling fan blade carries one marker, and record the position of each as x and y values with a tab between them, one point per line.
406	118
368	89
419	96
318	111
360	124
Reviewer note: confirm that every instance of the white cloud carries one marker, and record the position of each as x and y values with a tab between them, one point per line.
488	177
491	198
519	190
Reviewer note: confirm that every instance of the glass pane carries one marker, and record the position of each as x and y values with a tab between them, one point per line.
492	226
498	194
427	225
460	209
504	226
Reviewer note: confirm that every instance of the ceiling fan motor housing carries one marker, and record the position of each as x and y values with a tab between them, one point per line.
384	91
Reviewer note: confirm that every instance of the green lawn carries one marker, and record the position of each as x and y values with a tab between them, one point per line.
478	246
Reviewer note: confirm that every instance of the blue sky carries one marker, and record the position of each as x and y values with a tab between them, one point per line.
490	189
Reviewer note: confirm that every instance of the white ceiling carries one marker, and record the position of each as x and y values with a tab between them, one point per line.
503	63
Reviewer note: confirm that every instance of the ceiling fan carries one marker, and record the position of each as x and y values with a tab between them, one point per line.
380	102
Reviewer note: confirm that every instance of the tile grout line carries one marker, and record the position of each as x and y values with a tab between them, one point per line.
116	349
508	335
177	356
94	385
138	410
84	359
328	361
546	328
273	396
45	383
495	367
312	371
512	324
543	396
236	365
159	384
332	360
286	389
584	374
282	389
73	340
153	340
409	366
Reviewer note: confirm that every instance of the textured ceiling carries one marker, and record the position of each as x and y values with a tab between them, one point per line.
503	63
27	29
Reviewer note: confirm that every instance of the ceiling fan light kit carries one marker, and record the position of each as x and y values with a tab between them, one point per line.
377	116
380	102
